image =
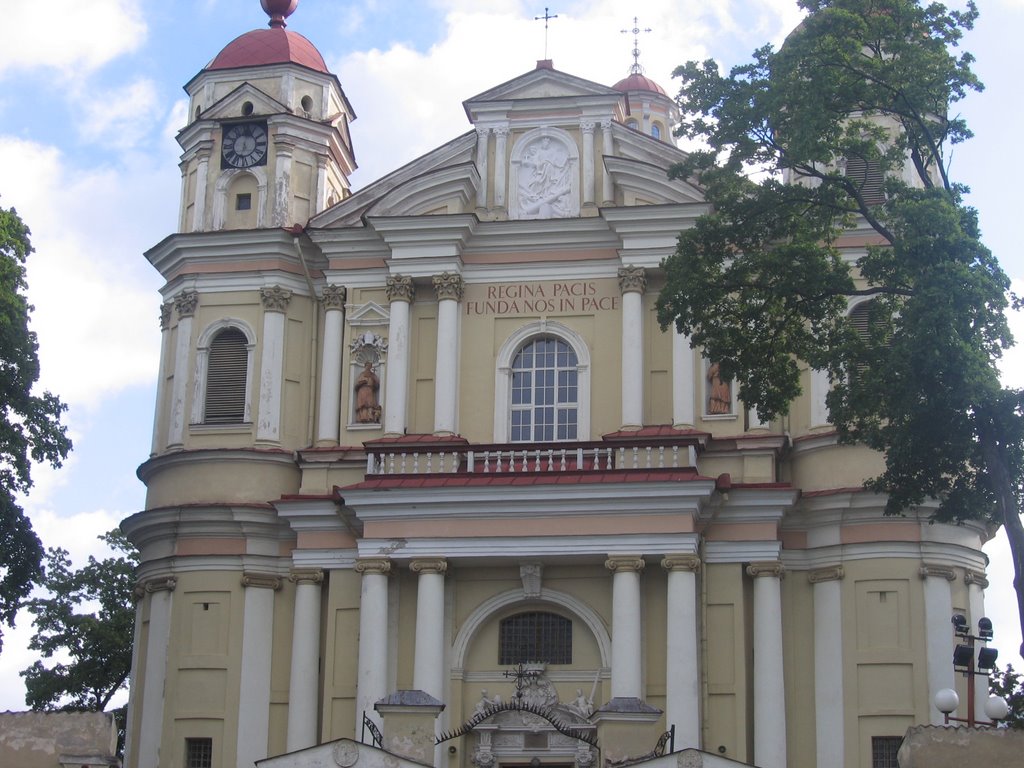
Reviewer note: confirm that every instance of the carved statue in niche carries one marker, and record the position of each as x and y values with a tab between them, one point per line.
719	392
367	404
544	181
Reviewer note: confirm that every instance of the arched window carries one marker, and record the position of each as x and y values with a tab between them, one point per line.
535	636
656	131
545	392
867	177
632	123
223	372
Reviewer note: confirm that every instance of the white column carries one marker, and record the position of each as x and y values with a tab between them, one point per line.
482	135
828	666
446	372
682	381
977	583
819	389
769	683
185	305
254	689
938	610
329	424
372	677
500	139
321	184
161	380
152	724
632	283
607	189
275	304
303	682
682	667
199	204
587	127
626	642
133	676
400	292
428	661
281	216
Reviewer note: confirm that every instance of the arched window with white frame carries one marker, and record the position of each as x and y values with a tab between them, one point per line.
224	360
542	386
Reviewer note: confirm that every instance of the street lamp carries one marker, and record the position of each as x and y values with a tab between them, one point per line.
965	662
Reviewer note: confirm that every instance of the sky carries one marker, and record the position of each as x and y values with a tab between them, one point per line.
91	99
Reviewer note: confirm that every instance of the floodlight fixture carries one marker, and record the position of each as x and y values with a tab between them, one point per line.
962	655
960	624
986	658
985	628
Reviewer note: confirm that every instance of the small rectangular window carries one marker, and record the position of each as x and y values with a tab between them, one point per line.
198	753
884	750
243	202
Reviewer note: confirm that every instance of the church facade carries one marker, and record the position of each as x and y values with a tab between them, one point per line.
423	447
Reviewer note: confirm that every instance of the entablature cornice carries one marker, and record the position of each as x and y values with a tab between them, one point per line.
232	250
716	552
266	72
890	551
206	456
412	237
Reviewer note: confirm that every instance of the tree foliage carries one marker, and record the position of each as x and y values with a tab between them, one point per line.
89	617
1009	685
863	89
30	428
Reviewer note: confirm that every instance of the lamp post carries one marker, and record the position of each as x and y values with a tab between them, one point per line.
971	665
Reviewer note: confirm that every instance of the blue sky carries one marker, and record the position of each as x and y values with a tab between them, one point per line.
90	100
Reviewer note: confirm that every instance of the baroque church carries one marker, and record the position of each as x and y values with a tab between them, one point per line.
430	485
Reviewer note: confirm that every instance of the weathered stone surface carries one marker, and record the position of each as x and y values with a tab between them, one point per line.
52	739
930	746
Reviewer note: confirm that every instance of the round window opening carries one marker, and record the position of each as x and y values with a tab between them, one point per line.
247	108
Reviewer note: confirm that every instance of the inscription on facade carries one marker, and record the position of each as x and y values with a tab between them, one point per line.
542	298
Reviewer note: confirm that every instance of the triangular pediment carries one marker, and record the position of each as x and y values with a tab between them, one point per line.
370	314
230	106
542	83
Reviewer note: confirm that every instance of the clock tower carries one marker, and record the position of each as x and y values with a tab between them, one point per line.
267	143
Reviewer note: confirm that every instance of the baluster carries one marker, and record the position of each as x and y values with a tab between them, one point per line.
536	460
622	458
551	460
562	466
391	461
487	461
650	457
661	456
471	462
526	461
579	459
675	457
370	464
430	462
609	454
636	457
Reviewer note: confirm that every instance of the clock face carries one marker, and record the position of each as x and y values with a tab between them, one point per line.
244	145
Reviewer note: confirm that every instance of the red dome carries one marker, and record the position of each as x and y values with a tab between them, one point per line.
269	46
638	82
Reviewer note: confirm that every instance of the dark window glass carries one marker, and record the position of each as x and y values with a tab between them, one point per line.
883	751
535	636
198	753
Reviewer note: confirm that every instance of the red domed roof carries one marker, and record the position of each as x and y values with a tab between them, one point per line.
269	46
638	82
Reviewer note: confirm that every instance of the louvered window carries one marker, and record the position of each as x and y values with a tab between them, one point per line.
867	176
225	378
535	636
862	319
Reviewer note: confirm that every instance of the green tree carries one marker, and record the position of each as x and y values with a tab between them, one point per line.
1009	685
30	428
89	617
862	90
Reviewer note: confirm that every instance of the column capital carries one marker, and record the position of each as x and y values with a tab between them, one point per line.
767	568
429	565
501	131
448	285
261	580
400	288
165	315
976	577
307	576
938	571
334	296
606	123
379	565
275	298
158	585
632	279
625	564
587	126
691	563
185	303
832	573
483	132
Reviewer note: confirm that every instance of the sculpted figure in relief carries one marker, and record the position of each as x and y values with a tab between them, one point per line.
581	705
367	405
544	182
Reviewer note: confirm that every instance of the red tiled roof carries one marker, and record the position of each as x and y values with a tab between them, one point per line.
269	46
461	480
658	430
638	82
417	439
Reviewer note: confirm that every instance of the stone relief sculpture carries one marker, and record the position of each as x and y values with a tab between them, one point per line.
581	705
719	392
544	181
367	406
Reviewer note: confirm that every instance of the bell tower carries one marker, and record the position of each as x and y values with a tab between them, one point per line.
267	143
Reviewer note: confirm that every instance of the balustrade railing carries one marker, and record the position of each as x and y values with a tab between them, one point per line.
534	458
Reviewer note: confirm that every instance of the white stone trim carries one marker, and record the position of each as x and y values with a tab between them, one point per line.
533	547
503	375
489	607
220	195
202	362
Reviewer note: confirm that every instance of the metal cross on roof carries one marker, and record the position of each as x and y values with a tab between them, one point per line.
547	17
636	69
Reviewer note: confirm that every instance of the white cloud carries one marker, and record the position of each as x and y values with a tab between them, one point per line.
120	117
71	36
95	299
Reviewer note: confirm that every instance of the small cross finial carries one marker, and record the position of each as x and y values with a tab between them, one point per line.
636	69
521	673
547	17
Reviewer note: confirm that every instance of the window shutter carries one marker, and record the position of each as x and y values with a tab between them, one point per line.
225	378
867	175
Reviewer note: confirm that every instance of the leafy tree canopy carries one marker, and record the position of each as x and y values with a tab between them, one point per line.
1009	685
30	428
88	617
862	91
